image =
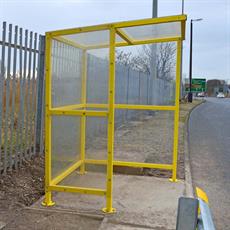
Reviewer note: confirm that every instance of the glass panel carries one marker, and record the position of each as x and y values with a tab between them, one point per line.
163	30
90	38
144	136
96	138
96	149
66	74
97	76
91	179
65	142
146	74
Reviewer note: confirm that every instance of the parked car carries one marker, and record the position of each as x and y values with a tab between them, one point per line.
201	94
220	95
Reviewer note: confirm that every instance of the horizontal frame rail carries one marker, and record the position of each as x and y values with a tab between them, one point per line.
134	107
140	22
148	41
69	42
135	42
66	173
75	106
130	164
18	46
66	112
69	109
98	106
145	107
82	190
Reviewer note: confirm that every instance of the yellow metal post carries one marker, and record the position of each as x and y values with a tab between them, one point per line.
111	98
176	113
48	199
83	117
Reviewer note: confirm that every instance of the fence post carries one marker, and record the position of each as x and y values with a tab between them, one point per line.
2	82
127	96
40	95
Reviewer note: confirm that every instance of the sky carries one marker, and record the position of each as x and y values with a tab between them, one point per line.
211	36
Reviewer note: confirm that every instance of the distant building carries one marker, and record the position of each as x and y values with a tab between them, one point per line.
215	86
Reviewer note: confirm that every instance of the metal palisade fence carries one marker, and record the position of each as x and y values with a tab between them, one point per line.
21	95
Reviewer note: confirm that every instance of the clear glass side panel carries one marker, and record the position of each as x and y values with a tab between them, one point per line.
96	138
162	30
146	74
97	76
144	136
66	74
65	143
95	149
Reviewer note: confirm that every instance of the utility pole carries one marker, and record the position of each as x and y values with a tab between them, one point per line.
153	67
190	60
190	64
155	8
182	47
182	8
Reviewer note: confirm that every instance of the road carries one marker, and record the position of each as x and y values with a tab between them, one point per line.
209	146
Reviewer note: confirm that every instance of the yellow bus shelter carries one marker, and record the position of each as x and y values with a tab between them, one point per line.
106	38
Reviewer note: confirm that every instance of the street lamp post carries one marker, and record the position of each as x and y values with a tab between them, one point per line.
190	61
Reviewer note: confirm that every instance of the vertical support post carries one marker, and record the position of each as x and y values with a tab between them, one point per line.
6	162
40	99
13	101
2	82
190	95
83	117
48	199
176	113
20	108
127	97
109	182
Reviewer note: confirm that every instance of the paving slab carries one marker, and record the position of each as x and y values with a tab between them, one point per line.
141	202
57	220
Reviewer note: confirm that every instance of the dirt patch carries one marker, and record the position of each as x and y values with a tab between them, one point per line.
21	188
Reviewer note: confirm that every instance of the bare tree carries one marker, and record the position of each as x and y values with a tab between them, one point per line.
123	58
165	59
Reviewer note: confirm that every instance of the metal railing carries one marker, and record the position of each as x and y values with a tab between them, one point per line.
194	213
21	86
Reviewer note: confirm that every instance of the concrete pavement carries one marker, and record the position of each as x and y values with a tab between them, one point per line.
142	202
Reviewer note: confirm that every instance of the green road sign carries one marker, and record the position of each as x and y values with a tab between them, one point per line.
198	85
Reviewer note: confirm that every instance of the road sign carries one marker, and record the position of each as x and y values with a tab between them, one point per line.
198	85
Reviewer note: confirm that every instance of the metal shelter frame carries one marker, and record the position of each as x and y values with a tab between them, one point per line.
70	110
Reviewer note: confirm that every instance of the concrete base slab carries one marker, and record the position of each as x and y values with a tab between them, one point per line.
2	224
46	220
141	202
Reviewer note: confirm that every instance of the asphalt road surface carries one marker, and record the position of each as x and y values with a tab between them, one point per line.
209	145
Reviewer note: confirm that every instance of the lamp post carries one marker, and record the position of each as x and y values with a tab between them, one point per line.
190	61
182	7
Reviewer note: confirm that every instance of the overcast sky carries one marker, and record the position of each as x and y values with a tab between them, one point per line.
211	51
